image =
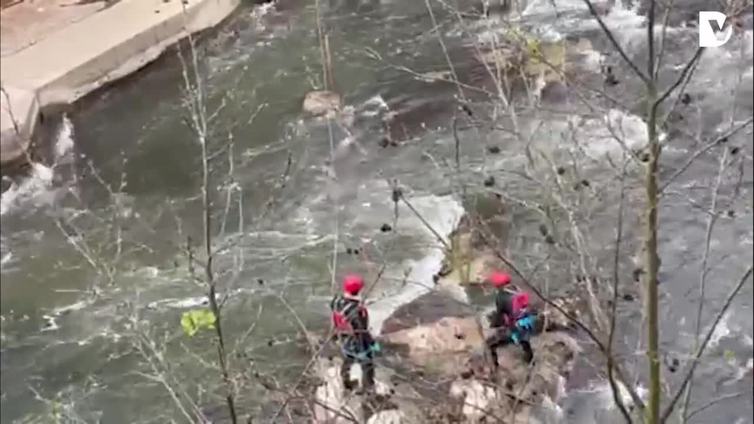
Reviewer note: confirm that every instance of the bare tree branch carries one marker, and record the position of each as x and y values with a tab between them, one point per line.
711	403
197	108
702	151
681	78
711	221
614	42
617	398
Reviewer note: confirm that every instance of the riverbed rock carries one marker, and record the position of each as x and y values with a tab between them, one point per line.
473	271
444	335
447	353
477	398
470	258
434	356
441	347
390	416
526	54
531	390
389	404
333	405
426	309
547	65
322	103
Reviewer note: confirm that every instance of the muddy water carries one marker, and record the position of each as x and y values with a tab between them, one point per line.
127	169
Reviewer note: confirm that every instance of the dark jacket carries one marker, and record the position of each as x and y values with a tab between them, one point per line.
502	315
355	336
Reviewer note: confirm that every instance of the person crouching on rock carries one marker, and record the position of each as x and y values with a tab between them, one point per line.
351	324
512	319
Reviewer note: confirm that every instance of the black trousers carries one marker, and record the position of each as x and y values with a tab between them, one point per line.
357	349
504	336
367	370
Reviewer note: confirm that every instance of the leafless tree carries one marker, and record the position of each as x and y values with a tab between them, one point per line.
576	212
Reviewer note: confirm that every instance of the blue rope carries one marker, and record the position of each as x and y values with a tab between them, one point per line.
361	355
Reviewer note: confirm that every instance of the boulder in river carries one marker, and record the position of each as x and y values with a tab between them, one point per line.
469	259
322	103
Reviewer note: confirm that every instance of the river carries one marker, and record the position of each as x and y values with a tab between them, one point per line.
123	177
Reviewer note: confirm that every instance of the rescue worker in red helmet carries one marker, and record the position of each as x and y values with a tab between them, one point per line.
504	292
351	323
513	320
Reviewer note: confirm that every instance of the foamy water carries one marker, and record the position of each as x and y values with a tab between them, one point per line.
443	214
64	141
33	188
309	230
36	188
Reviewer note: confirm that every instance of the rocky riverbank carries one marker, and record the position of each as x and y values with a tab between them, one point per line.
434	368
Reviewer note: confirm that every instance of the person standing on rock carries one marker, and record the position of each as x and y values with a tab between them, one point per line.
512	319
504	292
351	322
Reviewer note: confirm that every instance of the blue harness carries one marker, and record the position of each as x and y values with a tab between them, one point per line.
523	328
361	355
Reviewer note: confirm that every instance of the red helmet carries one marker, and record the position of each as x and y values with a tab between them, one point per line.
352	284
499	279
520	301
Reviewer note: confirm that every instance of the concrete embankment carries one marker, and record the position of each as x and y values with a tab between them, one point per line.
74	60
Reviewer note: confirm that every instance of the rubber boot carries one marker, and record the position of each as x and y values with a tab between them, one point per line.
345	374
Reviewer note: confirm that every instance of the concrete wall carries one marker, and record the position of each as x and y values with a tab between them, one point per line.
91	53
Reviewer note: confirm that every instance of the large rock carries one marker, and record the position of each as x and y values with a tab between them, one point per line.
532	391
441	347
448	353
426	309
470	271
322	103
390	416
391	403
470	259
477	398
334	405
438	344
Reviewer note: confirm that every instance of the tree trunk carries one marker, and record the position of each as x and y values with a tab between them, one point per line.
652	262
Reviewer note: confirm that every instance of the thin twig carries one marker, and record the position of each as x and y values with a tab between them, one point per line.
617	398
198	111
711	221
426	224
681	78
614	42
711	403
703	150
695	360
